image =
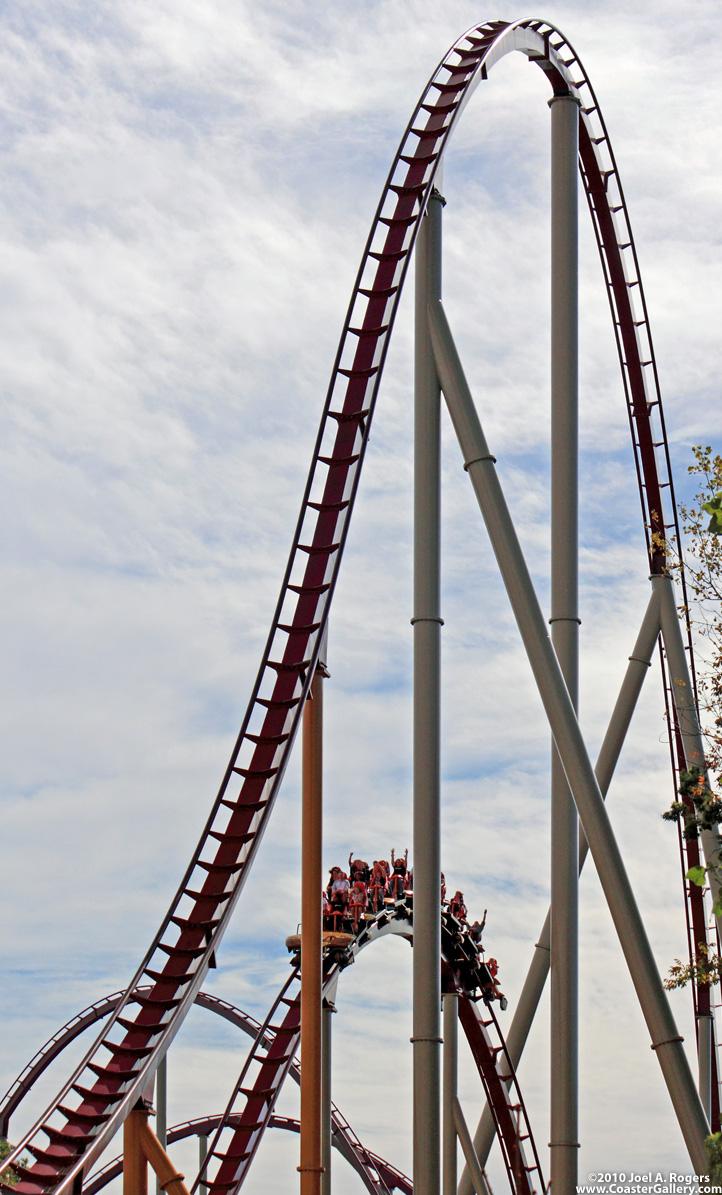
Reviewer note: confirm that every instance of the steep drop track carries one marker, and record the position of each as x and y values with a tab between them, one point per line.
96	1098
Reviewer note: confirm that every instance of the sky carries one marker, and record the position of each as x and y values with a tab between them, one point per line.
185	192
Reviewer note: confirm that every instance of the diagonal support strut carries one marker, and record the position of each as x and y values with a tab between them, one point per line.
478	462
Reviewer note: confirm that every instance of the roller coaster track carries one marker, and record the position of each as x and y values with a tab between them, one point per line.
379	1177
272	1058
94	1101
72	1029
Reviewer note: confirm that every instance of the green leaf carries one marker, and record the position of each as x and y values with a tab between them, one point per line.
714	508
717	907
697	875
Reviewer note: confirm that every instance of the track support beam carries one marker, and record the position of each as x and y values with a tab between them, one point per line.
479	463
161	1108
564	621
202	1155
329	1009
449	1085
311	1166
141	1146
135	1164
427	650
478	1178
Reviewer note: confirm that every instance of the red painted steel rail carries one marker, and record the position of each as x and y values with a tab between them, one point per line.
96	1098
495	1067
89	1016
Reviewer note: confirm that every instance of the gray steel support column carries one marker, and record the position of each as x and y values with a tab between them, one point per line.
704	1051
680	679
202	1155
478	1179
451	1045
329	1009
161	1109
666	1041
565	638
637	668
427	644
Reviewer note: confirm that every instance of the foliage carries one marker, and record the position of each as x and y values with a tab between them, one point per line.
705	969
713	1147
699	807
703	570
10	1178
702	809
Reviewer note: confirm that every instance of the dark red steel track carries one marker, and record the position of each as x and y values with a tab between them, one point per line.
96	1098
379	1175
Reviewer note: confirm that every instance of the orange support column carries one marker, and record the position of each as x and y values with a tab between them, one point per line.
311	1167
141	1146
135	1165
169	1179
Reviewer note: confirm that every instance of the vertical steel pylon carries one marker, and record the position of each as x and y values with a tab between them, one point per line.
565	636
427	652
